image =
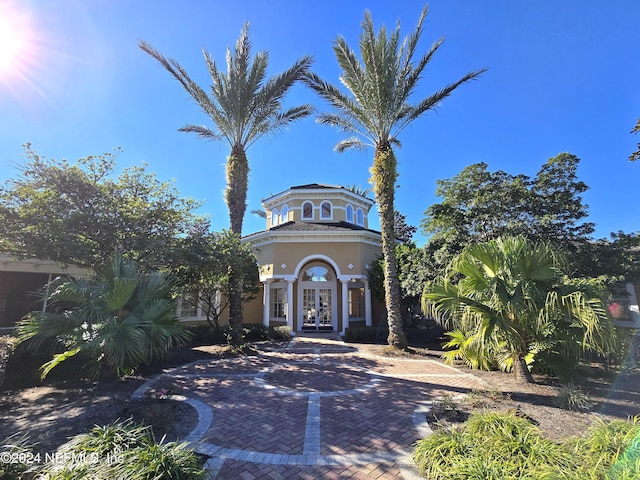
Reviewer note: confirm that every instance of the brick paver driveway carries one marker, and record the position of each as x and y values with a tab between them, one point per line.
315	409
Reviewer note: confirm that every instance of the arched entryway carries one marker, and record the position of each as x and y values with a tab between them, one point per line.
317	298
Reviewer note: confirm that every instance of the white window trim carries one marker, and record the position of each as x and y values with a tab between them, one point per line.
360	217
284	213
330	217
302	210
348	208
274	217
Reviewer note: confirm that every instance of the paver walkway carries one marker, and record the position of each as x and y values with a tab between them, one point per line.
317	408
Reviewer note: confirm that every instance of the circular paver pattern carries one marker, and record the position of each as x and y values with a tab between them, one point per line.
340	413
313	377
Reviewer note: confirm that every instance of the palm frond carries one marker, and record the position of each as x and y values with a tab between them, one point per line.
202	131
434	100
353	142
57	359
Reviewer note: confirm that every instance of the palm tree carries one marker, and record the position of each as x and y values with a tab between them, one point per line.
243	107
376	110
512	292
119	319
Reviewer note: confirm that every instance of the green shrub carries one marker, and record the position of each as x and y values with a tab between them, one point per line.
504	446
122	450
19	448
572	397
611	450
206	335
282	333
375	335
378	335
7	345
491	445
423	336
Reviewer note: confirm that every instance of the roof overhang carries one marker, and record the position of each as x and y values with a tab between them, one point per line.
33	265
282	236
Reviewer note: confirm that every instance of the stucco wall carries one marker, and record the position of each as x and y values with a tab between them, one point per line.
272	257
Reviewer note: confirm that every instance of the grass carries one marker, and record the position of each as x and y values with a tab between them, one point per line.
498	445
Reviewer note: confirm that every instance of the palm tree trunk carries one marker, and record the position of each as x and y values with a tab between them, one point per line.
384	181
236	198
237	185
521	370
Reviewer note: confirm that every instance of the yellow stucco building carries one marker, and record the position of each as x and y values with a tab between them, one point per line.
313	259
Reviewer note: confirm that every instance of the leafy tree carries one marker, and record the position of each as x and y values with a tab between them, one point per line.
479	205
613	260
243	106
413	273
558	209
375	111
118	319
203	262
635	155
78	213
403	232
512	292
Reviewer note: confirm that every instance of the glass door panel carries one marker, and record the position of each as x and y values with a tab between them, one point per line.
309	311
324	309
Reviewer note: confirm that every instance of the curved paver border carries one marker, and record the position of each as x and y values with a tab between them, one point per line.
310	456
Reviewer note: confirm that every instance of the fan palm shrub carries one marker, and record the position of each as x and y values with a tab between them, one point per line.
118	319
512	293
376	109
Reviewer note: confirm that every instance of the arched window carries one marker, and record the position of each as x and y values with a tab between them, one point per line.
317	274
325	210
284	216
349	214
307	211
274	217
360	217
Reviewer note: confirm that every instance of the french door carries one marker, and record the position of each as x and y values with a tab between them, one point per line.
317	308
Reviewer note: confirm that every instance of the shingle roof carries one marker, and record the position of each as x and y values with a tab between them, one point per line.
315	185
317	227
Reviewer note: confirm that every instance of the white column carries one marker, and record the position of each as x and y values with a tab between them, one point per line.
290	306
367	304
266	300
345	305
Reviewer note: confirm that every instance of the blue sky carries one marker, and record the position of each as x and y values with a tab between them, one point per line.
563	77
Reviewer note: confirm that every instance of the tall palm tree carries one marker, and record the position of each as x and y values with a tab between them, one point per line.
375	111
243	106
512	291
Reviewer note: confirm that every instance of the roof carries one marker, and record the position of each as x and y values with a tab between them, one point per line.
311	187
316	186
327	227
319	227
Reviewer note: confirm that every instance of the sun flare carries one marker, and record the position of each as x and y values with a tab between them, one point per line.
15	40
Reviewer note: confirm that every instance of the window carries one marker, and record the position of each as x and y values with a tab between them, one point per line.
307	211
274	217
189	305
317	274
360	217
325	210
284	216
349	214
278	308
356	302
